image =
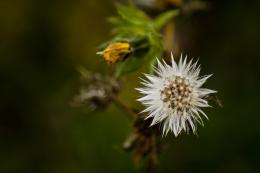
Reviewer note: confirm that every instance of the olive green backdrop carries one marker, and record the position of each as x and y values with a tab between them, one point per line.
41	43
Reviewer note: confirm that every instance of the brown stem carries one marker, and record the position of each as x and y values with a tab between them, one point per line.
124	106
153	155
169	38
150	167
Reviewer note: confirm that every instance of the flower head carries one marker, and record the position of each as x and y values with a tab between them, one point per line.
116	52
174	97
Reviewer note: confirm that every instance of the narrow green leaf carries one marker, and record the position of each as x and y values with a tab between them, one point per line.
154	53
129	65
161	20
132	14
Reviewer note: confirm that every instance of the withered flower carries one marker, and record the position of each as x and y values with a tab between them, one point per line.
116	52
97	91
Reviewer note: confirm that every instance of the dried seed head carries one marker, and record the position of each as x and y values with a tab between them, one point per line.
97	91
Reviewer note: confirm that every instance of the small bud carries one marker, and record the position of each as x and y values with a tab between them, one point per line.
115	52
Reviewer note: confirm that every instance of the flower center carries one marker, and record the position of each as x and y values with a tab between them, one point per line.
177	94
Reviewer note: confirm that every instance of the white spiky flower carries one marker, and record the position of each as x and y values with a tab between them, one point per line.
174	97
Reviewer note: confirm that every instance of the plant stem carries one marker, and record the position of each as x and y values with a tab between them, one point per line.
169	38
124	106
153	157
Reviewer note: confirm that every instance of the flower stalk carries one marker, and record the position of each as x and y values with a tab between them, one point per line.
172	94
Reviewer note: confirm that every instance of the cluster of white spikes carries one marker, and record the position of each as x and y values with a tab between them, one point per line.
174	96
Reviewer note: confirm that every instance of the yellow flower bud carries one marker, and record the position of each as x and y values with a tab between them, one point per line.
115	52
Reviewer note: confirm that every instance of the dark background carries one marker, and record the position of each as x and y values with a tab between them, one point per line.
41	43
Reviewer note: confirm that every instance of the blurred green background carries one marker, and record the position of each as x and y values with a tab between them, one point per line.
41	43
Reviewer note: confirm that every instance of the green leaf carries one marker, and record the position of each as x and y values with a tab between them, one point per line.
131	64
156	49
129	31
161	20
132	14
154	52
